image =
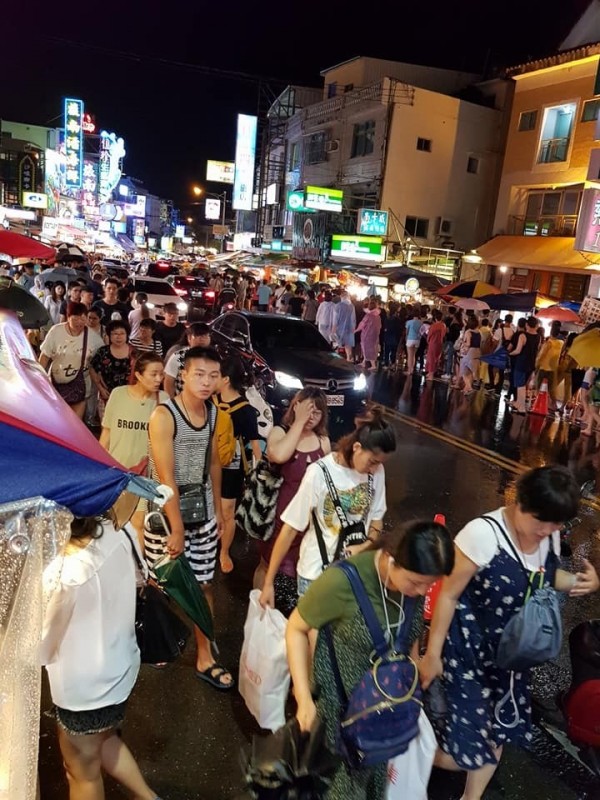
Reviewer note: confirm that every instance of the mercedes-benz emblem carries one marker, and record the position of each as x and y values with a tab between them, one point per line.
332	385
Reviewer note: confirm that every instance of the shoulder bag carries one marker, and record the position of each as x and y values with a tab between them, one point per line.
352	532
161	635
73	392
380	717
534	634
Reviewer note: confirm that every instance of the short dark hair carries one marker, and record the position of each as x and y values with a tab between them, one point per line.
170	308
372	433
148	322
508	319
198	329
550	494
423	546
233	368
116	325
74	285
76	309
112	281
206	353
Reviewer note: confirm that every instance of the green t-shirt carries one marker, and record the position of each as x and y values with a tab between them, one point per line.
330	598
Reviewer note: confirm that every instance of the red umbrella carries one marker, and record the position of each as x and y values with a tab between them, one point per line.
16	245
558	313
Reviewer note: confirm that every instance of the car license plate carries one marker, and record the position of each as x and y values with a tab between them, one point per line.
335	399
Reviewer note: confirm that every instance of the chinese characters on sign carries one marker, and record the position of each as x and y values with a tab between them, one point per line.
74	143
372	221
27	175
112	152
212	208
245	152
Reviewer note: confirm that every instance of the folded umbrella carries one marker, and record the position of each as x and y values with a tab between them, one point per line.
176	577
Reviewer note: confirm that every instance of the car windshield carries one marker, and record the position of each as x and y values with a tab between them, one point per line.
268	333
154	287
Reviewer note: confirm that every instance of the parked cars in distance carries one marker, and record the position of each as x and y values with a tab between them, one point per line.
285	354
160	292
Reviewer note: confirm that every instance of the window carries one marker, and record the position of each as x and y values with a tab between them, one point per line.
424	144
554	288
590	111
348	87
527	120
331	89
315	151
295	155
556	133
363	139
417	226
473	165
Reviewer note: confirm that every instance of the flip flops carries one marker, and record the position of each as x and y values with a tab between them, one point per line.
212	676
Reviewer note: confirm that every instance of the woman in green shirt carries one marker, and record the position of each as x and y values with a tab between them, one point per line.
406	562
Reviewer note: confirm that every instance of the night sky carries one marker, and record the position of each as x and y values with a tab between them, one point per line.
127	61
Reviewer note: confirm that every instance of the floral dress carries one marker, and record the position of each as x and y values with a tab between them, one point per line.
474	686
114	371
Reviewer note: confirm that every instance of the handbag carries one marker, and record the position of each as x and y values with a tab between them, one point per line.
352	532
534	634
257	508
161	635
73	392
381	716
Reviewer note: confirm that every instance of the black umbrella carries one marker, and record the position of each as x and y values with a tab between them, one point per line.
69	252
29	310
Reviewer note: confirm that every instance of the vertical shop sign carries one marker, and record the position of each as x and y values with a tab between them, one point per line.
74	143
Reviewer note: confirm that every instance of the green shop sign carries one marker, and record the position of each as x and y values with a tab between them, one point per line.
295	202
322	199
359	248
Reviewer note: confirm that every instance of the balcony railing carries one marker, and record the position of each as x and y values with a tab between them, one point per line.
552	150
549	225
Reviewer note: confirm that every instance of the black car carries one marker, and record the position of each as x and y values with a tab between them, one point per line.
196	292
285	354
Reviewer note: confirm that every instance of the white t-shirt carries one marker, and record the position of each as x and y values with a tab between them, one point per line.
127	418
313	495
65	352
88	637
479	541
134	319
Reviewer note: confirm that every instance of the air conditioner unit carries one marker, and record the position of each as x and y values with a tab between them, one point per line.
332	145
444	227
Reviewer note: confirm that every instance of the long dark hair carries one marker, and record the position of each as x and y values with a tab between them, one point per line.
372	433
141	299
423	546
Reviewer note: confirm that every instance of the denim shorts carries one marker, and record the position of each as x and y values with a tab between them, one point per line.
303	584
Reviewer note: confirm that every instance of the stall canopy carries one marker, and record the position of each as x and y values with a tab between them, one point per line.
46	449
537	252
400	274
519	301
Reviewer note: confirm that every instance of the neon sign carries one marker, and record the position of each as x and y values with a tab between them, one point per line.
88	124
73	142
112	153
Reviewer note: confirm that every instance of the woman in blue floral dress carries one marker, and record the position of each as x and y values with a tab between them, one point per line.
489	706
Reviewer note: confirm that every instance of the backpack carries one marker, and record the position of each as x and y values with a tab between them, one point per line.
534	634
226	439
381	716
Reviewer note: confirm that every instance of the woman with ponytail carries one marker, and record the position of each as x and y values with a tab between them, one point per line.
339	505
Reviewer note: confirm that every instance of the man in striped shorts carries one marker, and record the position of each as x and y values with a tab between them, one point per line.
184	452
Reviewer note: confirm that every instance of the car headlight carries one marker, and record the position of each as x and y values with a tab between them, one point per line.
182	306
289	381
360	382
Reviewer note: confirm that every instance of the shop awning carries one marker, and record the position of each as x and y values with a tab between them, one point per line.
551	253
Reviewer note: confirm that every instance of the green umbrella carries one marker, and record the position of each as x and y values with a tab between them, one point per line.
175	576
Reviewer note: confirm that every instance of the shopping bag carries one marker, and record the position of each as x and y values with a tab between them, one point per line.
408	773
264	679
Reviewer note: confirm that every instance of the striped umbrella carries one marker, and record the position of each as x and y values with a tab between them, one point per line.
468	289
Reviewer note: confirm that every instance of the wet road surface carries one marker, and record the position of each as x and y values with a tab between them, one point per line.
187	737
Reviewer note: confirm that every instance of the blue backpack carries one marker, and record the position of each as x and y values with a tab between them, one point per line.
381	716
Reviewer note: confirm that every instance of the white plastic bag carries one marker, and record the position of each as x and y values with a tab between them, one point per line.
264	679
408	774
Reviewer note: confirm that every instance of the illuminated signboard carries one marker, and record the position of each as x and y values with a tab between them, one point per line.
295	202
88	124
323	199
588	225
179	231
54	180
372	222
212	208
112	153
74	142
357	248
136	209
50	227
220	171
34	200
245	152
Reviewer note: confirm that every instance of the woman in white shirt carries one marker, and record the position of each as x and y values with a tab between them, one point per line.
53	301
91	656
356	471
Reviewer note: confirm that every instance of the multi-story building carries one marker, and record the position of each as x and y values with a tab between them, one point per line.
22	163
423	144
548	169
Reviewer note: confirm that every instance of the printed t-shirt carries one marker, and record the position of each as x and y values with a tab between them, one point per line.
479	541
313	495
65	352
127	418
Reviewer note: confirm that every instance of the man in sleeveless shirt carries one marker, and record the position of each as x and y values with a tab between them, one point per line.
182	437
